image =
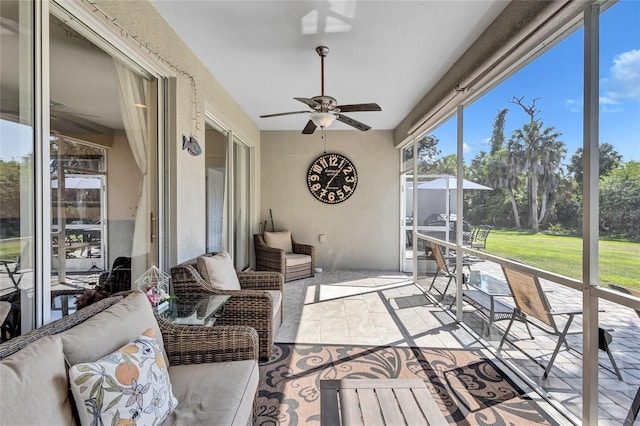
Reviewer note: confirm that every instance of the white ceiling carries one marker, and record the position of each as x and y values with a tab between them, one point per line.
389	52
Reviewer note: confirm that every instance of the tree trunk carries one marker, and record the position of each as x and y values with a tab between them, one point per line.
529	203
514	205
534	203
543	208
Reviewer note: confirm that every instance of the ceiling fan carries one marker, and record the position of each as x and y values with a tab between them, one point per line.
325	109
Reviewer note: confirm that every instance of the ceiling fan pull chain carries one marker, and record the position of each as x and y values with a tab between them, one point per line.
324	139
322	75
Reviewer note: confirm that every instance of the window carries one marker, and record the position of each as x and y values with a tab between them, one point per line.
619	173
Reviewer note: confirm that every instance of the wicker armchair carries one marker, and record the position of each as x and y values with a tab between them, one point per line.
258	304
275	259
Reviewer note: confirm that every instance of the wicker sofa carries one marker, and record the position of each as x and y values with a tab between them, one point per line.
292	259
213	370
258	304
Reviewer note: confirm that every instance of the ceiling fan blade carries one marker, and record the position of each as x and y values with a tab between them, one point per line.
353	123
309	128
359	107
312	104
285	113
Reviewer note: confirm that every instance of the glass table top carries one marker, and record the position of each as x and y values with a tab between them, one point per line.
490	285
200	311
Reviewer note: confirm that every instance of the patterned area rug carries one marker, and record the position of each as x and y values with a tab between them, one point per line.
469	389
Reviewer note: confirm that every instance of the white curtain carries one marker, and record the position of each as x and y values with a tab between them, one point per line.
132	90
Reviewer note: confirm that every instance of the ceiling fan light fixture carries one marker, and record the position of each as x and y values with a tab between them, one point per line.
323	119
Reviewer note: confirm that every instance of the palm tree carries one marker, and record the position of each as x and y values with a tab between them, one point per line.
497	136
508	167
539	152
549	181
501	168
447	165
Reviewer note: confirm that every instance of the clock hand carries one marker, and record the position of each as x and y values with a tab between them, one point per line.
334	176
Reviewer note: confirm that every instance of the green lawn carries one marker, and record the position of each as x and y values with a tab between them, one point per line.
619	261
9	250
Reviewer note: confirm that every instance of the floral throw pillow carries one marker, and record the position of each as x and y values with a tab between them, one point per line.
128	387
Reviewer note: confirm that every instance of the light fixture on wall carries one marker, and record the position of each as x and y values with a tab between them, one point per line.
323	119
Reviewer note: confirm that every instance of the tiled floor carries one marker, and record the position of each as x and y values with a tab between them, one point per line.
387	308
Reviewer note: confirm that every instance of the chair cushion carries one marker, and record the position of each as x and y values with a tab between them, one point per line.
110	330
130	384
34	385
218	271
294	259
281	240
217	393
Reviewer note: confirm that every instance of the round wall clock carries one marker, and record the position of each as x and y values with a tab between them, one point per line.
332	178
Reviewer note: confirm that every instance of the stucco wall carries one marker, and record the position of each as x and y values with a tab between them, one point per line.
363	231
140	20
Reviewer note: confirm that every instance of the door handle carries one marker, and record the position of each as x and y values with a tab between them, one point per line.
152	235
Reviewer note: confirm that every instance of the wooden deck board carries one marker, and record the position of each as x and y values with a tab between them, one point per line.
377	402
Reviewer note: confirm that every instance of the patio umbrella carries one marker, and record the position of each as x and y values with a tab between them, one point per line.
450	183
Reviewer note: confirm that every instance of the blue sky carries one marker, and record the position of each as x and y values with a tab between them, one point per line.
555	78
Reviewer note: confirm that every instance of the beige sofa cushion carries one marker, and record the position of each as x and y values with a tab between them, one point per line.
110	330
34	385
281	240
219	393
132	382
218	271
294	259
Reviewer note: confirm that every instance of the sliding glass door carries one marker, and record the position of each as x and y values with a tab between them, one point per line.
79	159
103	162
17	168
228	174
216	174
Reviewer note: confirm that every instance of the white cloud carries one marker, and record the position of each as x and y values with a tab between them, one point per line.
573	105
607	100
466	148
610	110
624	78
